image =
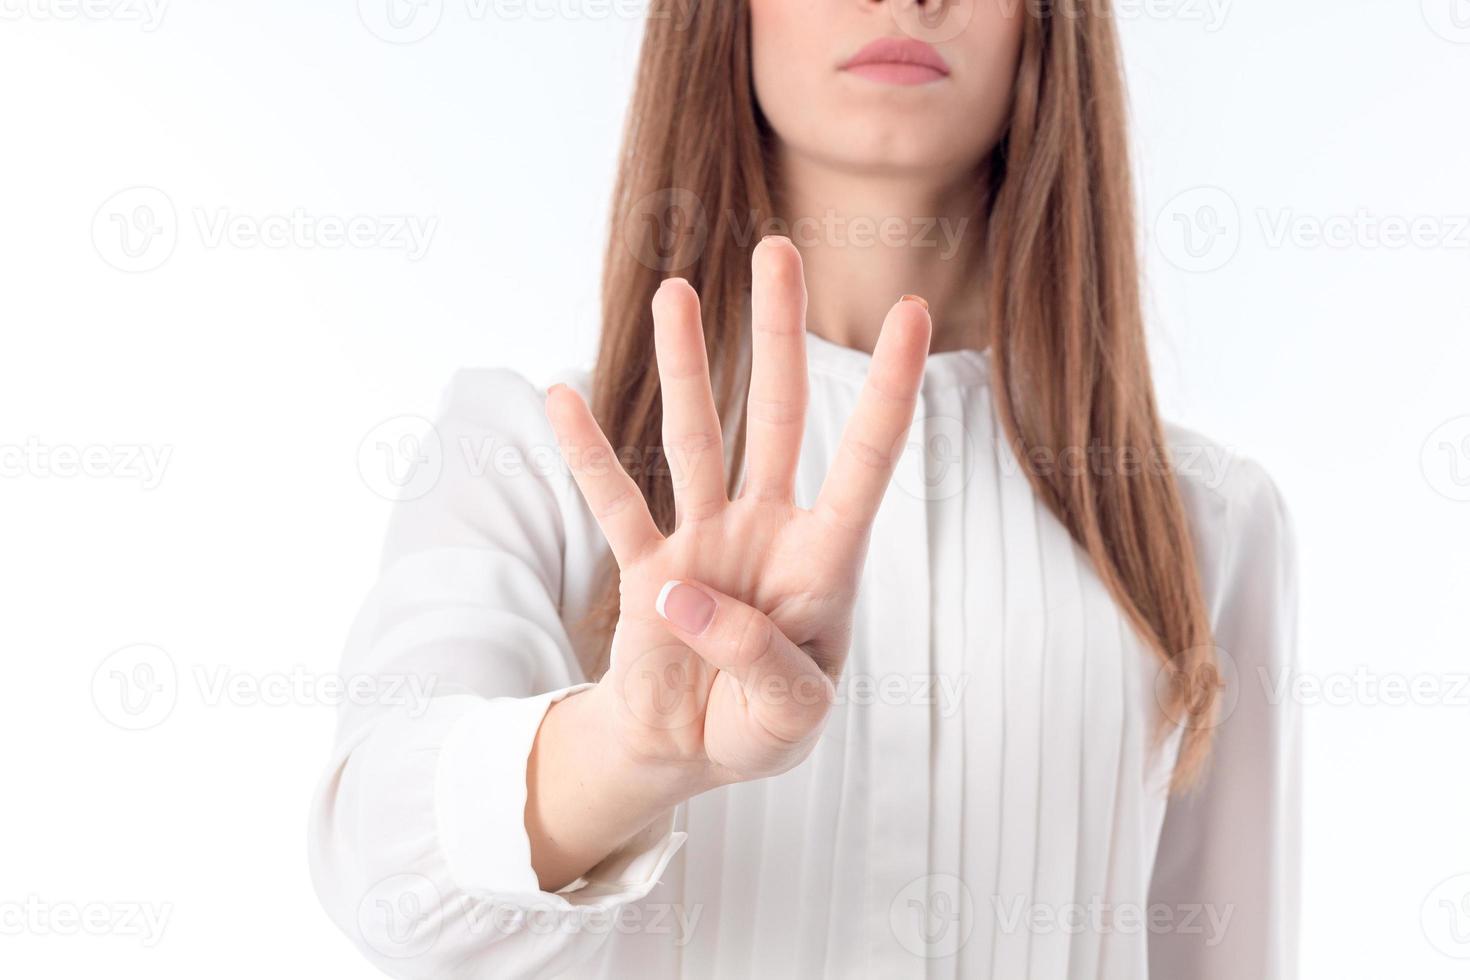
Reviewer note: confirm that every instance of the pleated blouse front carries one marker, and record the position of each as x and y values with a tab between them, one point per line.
989	797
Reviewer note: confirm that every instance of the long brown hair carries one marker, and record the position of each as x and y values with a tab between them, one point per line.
1066	326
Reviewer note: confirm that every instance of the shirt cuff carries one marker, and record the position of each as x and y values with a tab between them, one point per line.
480	804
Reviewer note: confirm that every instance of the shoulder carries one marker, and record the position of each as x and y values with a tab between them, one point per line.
501	398
501	461
1236	512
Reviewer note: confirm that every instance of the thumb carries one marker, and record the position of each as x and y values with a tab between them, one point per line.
784	688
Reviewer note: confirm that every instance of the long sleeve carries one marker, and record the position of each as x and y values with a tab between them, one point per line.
418	844
1227	868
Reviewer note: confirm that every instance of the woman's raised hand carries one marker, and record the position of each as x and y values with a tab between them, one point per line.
734	628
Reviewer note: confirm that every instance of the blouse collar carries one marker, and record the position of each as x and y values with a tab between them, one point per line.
968	368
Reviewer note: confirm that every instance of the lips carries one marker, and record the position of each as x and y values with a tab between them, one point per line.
898	61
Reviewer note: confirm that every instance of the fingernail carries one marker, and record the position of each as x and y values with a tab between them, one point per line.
911	298
685	606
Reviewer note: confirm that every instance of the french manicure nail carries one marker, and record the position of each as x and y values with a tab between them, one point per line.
687	607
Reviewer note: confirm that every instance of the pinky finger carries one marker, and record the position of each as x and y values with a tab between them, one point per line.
612	496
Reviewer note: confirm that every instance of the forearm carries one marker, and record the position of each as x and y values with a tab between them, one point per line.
585	798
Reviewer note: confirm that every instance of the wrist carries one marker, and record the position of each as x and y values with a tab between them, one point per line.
633	776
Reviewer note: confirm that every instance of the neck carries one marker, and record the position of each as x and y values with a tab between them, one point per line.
868	239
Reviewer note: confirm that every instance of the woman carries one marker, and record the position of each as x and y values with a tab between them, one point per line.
733	705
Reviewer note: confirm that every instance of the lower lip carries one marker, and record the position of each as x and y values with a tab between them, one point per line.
895	73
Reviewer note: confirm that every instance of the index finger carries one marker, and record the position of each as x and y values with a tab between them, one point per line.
614	499
872	441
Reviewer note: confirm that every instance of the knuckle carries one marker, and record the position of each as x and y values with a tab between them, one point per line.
841	517
768	491
691	443
754	636
867	454
888	390
776	411
698	511
591	460
616	503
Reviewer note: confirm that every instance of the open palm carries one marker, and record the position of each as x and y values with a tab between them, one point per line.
734	628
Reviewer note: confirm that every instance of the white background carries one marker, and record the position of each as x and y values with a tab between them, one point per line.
259	371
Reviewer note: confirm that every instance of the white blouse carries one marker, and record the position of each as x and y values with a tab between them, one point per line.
989	798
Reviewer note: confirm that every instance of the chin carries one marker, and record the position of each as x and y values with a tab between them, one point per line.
893	150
